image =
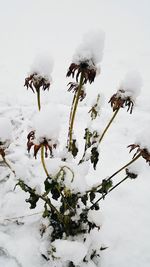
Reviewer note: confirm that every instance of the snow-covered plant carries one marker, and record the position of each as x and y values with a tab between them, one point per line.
39	77
68	200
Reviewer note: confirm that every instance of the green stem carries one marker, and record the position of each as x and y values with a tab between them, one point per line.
108	125
70	117
38	99
74	111
103	196
43	161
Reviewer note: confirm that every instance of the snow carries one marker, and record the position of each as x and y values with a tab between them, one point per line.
142	137
5	131
70	250
46	123
132	84
124	214
91	48
42	65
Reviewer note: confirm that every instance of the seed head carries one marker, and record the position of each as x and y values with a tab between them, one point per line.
88	71
121	100
47	144
35	81
142	151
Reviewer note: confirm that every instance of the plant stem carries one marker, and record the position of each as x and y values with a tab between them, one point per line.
115	173
108	125
103	196
38	99
125	166
74	111
47	200
43	161
70	117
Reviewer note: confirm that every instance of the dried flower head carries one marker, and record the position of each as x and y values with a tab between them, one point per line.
74	87
85	68
142	151
35	81
43	142
121	100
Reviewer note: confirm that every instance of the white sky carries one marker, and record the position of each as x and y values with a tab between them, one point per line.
30	27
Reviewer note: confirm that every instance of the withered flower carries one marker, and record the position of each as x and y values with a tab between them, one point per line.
44	142
74	88
121	100
88	71
142	151
35	81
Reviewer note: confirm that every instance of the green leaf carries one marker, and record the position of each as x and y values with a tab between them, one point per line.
74	148
92	196
94	157
84	199
33	199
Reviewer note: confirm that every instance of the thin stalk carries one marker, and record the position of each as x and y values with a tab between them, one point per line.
108	125
38	99
115	173
125	166
74	111
103	196
70	117
43	161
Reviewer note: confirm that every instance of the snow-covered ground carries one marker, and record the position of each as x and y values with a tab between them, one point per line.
29	28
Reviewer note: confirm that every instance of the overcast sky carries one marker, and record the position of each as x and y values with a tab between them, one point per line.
30	27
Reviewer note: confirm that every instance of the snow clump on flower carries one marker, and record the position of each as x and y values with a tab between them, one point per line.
47	124
43	66
91	48
131	85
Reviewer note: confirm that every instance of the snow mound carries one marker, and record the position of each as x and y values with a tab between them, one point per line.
70	250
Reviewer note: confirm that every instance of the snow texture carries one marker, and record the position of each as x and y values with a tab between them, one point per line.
5	131
70	250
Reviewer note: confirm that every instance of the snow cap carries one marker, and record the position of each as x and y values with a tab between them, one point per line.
91	48
42	65
132	84
47	123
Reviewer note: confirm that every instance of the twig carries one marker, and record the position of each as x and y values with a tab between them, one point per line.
103	196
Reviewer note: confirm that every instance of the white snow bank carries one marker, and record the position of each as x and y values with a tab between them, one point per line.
91	48
70	250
